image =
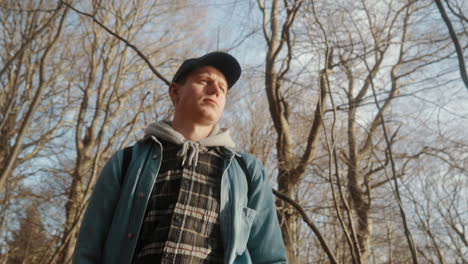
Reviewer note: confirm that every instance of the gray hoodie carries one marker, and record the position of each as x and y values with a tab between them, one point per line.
219	137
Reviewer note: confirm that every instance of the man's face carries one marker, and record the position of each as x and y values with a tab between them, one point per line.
202	97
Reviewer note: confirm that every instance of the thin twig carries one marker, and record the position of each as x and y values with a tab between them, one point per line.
139	53
395	179
31	38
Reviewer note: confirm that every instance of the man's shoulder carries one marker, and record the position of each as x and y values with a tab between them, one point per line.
134	150
141	145
250	160
247	156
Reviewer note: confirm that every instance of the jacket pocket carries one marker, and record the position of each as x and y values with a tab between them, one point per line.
245	224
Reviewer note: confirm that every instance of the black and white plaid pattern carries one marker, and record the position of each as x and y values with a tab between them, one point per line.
181	223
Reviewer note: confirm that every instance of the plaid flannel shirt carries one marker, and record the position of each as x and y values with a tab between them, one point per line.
181	223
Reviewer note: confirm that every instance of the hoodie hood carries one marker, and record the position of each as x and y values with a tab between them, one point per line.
219	137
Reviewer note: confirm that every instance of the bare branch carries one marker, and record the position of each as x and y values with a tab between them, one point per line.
456	43
25	44
309	222
139	53
11	160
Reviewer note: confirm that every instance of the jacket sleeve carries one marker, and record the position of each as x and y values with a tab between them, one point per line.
99	213
265	244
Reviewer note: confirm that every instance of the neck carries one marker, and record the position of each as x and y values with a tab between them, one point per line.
191	131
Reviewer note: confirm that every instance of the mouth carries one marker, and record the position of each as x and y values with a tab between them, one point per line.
210	101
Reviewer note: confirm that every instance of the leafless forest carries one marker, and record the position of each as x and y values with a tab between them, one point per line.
357	109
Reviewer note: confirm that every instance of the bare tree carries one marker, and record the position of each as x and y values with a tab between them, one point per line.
28	96
291	166
368	54
375	57
29	243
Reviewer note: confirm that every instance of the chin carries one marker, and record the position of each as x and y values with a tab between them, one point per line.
210	121
209	118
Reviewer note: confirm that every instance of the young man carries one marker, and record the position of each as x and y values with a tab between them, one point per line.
187	196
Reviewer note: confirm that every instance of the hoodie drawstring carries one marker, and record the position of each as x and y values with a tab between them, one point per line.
192	149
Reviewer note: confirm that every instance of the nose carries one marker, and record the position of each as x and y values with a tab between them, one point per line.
214	88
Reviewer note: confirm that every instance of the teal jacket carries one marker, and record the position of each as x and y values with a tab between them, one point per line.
116	209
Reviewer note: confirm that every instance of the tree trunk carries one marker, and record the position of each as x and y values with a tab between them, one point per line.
287	216
74	208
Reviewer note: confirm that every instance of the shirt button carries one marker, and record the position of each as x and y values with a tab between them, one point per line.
155	156
140	195
177	219
130	235
186	184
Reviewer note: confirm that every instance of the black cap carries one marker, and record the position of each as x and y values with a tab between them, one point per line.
222	61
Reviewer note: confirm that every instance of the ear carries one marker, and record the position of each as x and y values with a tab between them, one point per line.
174	92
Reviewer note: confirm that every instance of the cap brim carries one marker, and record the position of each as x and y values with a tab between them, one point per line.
222	61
